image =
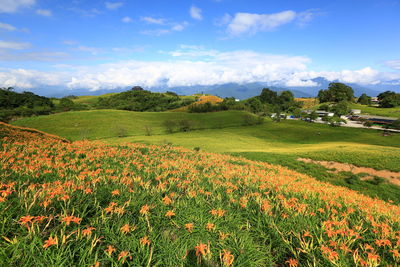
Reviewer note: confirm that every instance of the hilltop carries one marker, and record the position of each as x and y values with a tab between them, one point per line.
88	202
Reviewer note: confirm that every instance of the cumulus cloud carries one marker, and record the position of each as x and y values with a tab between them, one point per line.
195	13
126	19
250	23
12	6
44	12
113	5
193	65
7	27
14	45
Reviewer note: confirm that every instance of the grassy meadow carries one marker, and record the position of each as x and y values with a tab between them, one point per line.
101	124
387	112
93	204
223	132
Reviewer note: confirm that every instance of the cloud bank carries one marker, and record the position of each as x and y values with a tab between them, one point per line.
189	66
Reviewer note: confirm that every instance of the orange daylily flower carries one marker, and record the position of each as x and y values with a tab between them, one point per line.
124	255
145	241
227	258
145	210
110	249
125	229
202	249
50	242
189	227
210	226
170	213
292	262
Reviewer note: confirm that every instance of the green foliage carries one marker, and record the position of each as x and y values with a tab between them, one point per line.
272	102
341	108
13	104
250	119
336	92
142	100
389	99
364	100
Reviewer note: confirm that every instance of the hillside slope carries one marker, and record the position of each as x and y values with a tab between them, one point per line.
86	203
98	124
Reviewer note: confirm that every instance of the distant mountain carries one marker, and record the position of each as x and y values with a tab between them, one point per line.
240	91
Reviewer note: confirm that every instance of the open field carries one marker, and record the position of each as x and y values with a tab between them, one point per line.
100	124
90	99
87	203
388	112
278	143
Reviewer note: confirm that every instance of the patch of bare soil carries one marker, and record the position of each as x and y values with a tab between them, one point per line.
392	177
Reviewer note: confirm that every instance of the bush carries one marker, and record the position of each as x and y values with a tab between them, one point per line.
185	125
169	125
376	181
249	119
352	179
148	130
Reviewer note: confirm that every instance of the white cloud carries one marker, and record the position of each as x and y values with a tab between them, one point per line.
91	50
126	19
173	27
7	27
394	64
195	13
14	45
249	23
192	65
11	6
151	20
113	5
44	12
37	56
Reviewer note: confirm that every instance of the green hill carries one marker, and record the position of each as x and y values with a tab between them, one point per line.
100	124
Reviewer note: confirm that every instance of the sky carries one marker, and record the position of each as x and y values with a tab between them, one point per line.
97	45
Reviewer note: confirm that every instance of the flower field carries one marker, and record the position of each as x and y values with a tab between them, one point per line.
92	204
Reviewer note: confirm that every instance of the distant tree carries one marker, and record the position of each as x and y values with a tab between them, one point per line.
389	99
364	100
255	105
137	88
396	124
66	104
268	96
336	92
325	107
341	108
336	121
312	116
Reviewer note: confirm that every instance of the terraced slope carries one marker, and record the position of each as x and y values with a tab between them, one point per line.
88	203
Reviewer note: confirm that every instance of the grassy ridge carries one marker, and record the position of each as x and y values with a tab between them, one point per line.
88	203
99	124
388	112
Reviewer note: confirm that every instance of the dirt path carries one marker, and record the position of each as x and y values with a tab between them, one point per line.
392	177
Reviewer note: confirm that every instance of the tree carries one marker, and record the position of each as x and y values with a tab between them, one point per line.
137	88
312	116
255	105
268	96
364	100
66	104
341	108
336	92
389	99
396	124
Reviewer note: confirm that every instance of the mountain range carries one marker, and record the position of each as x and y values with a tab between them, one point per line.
239	91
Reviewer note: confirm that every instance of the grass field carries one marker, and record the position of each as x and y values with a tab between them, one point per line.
100	124
92	204
388	112
90	99
278	143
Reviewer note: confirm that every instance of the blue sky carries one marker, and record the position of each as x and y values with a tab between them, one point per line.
108	44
